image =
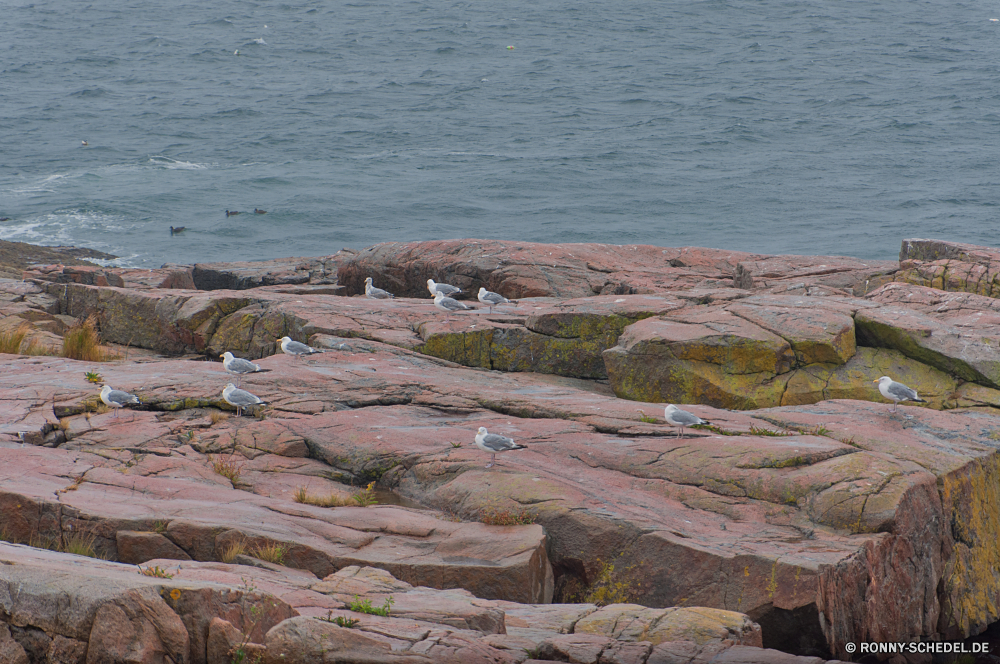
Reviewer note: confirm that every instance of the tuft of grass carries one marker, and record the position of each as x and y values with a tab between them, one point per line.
64	423
94	377
340	621
10	341
365	606
761	431
229	468
82	545
456	445
157	571
82	342
233	549
160	527
494	516
102	408
272	552
333	500
366	496
218	416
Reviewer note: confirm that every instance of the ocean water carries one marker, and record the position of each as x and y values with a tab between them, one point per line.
766	125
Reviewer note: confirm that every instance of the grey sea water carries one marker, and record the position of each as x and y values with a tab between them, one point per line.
767	125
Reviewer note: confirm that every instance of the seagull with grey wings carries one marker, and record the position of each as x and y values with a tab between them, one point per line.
240	398
296	349
448	305
373	293
492	299
681	418
116	398
239	366
494	444
897	392
447	289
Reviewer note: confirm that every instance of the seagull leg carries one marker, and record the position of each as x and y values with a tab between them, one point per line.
492	461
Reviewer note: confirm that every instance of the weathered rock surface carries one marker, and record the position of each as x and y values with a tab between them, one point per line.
820	518
950	266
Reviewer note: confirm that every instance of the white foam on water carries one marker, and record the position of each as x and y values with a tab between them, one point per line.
175	164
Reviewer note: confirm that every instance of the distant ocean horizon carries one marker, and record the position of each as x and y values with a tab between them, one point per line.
769	126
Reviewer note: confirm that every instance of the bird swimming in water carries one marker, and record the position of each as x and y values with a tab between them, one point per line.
681	418
492	299
177	229
890	389
84	143
373	293
259	211
116	398
230	213
444	289
493	443
294	348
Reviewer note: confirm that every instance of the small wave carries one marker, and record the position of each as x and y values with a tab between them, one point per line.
175	164
260	40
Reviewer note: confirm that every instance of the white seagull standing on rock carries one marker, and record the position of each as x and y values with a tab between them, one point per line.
239	366
116	398
491	299
240	398
448	305
295	349
446	289
373	293
491	442
681	418
890	389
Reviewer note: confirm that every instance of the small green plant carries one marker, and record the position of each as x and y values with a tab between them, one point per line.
242	653
646	418
456	445
160	527
229	468
94	377
761	431
156	571
612	586
272	552
819	430
495	516
340	621
365	606
366	496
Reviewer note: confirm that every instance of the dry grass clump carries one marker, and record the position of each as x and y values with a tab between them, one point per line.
233	549
157	572
12	342
272	552
82	342
332	500
496	516
229	468
218	416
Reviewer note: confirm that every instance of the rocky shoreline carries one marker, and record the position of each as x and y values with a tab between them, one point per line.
809	516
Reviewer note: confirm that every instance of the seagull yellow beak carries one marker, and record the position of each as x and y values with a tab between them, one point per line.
223	355
875	381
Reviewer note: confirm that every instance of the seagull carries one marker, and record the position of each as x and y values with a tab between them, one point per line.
446	289
177	229
240	398
681	418
492	299
447	304
289	347
890	389
373	293
239	366
492	443
116	398
84	143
